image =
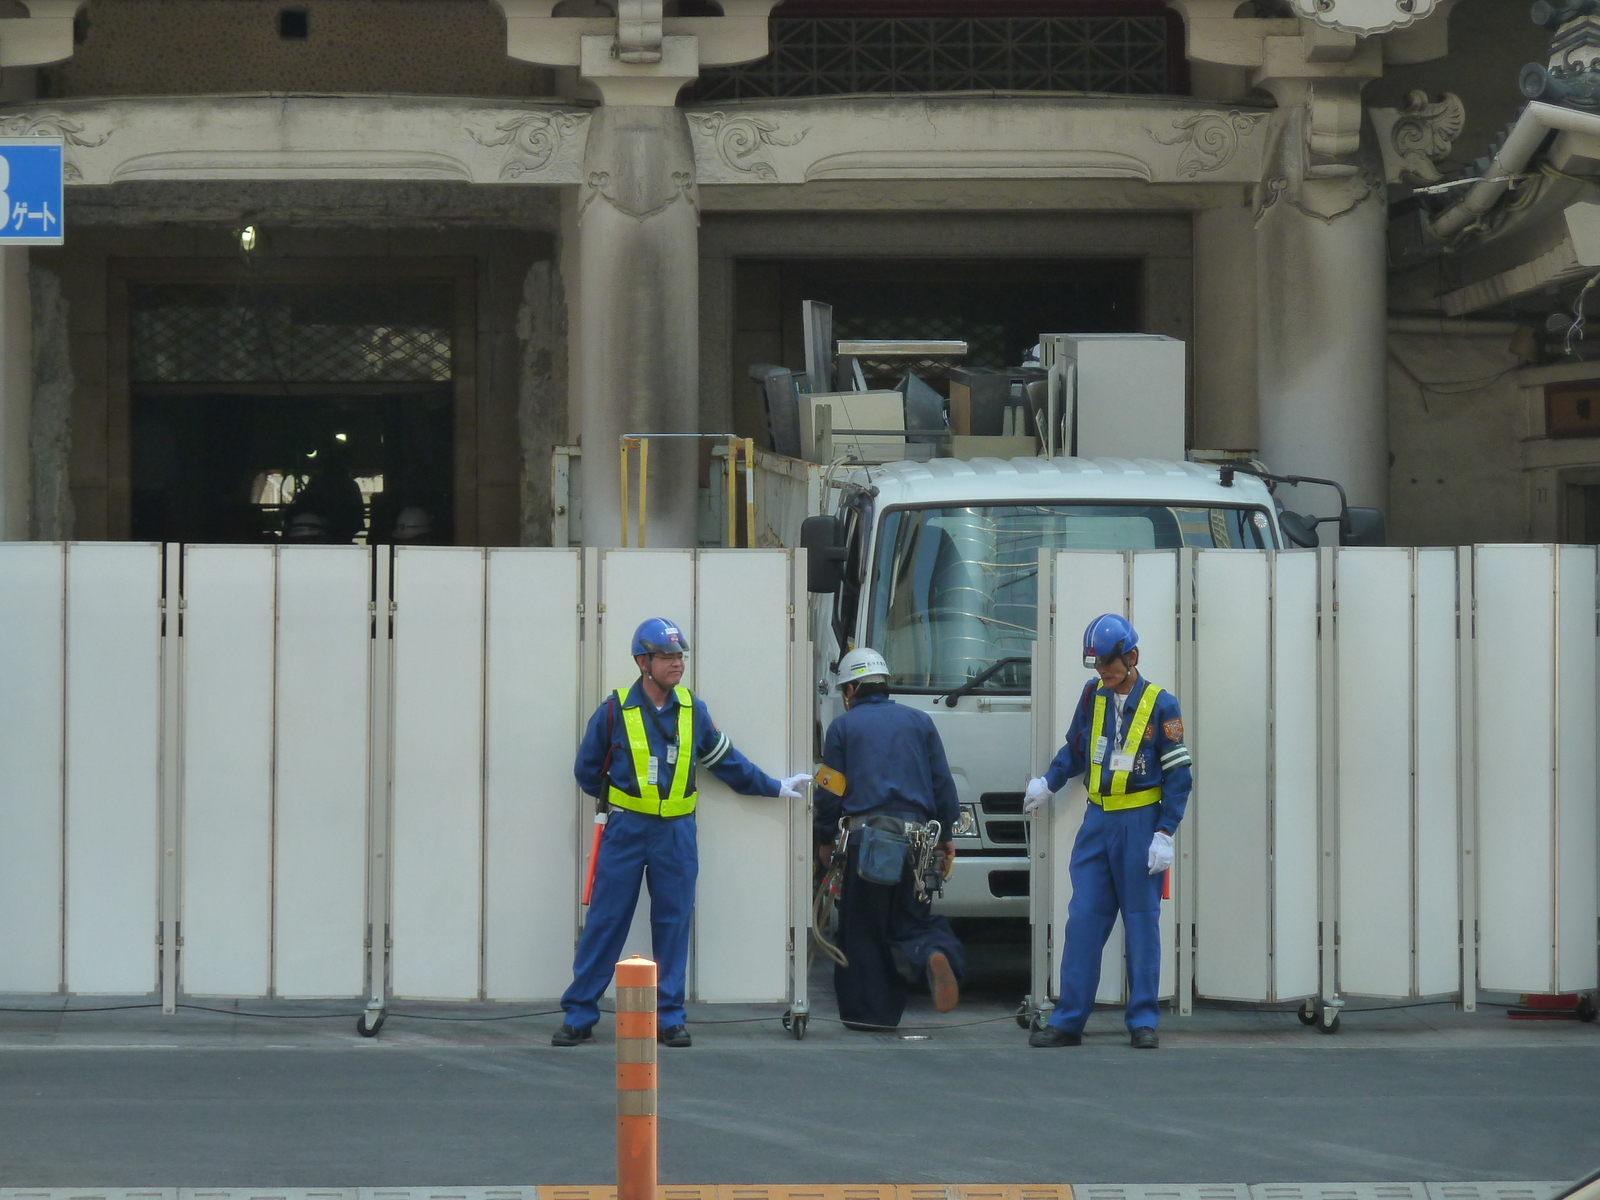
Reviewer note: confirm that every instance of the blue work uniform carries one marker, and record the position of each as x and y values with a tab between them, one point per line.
638	846
894	764
1110	858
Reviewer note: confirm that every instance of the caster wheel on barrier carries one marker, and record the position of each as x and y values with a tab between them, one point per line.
366	1030
1023	1021
1587	1010
800	1027
1307	1013
1328	1019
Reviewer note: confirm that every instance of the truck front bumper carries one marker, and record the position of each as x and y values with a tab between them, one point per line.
986	886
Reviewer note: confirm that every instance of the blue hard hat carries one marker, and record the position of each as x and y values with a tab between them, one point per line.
1108	636
659	636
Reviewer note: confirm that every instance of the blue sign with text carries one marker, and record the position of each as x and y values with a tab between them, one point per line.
30	191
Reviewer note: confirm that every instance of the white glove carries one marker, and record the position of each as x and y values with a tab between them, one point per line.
789	789
1038	792
1160	852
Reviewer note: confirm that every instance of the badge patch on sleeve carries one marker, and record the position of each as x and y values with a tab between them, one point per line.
1149	734
1173	729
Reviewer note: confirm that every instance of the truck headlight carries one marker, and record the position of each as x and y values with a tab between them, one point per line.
966	823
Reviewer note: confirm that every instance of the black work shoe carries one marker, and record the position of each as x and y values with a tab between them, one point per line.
676	1036
1144	1038
1049	1035
942	982
568	1036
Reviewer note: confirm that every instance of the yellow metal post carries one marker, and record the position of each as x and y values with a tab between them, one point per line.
750	492
625	443
644	469
733	493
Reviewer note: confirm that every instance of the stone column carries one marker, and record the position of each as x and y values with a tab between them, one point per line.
1322	305
1225	329
638	329
16	393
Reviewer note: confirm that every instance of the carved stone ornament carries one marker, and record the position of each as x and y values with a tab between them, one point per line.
738	142
639	162
1209	139
69	131
532	139
1365	17
1417	135
1290	176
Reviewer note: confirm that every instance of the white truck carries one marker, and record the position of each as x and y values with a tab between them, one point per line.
935	564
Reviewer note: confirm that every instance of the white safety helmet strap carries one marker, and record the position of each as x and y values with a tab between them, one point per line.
862	666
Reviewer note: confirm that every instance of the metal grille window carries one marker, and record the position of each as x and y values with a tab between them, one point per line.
858	55
189	333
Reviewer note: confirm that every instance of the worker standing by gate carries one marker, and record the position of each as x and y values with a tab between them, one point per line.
1128	734
887	777
639	754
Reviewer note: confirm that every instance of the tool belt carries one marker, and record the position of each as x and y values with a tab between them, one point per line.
885	842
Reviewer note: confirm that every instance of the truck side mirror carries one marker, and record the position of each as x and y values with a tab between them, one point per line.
823	538
1302	531
1362	527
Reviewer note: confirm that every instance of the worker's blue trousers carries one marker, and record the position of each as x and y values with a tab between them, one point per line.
1110	871
634	847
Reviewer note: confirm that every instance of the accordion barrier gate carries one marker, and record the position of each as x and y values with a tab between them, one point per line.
1395	768
329	771
334	771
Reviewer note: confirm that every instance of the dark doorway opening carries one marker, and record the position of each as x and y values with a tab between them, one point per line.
229	466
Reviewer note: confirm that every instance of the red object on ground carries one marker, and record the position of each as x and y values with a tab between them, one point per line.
594	856
1546	1008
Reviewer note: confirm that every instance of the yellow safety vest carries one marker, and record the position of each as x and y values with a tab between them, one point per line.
678	802
1119	797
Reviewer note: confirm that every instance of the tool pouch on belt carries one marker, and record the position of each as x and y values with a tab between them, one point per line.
881	853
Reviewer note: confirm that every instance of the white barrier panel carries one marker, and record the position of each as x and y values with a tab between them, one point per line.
533	725
1397	772
438	772
1437	755
1294	791
324	649
227	769
1534	653
741	643
31	647
113	728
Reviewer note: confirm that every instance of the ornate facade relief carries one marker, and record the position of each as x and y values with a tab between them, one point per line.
1413	138
1364	17
737	142
72	133
532	139
639	162
1210	140
1572	74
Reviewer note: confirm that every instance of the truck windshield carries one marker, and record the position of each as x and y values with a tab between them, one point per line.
954	590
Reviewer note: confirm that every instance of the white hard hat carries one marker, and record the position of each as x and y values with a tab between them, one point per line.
862	666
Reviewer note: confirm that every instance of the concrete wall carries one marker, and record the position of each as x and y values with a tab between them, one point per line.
1457	422
188	47
517	360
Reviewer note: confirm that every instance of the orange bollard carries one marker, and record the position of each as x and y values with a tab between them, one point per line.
636	1079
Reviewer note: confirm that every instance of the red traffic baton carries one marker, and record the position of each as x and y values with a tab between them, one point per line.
1166	883
594	856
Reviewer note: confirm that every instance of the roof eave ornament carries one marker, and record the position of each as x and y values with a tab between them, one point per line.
1572	75
1365	17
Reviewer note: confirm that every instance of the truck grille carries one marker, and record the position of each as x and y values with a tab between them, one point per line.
1007	833
1001	803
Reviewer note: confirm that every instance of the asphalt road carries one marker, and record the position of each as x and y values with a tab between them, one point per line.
201	1099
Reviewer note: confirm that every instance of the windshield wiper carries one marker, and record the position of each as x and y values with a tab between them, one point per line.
982	677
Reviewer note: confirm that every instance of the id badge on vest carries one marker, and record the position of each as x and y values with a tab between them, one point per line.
1099	754
1122	762
652	771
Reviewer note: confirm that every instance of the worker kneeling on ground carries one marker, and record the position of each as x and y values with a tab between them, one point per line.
1128	734
888	781
639	754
